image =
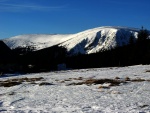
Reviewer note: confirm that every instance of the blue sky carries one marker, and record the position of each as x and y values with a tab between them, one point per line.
70	16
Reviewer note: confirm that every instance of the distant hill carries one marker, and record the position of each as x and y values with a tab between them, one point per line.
93	48
99	39
39	41
86	42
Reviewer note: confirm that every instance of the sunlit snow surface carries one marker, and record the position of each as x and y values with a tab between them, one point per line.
60	97
85	42
39	41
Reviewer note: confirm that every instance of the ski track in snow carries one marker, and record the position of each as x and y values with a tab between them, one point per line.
132	97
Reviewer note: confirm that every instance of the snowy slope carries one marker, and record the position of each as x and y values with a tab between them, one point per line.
98	39
39	41
60	97
86	42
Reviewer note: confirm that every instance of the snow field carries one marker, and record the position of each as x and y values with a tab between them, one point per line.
62	97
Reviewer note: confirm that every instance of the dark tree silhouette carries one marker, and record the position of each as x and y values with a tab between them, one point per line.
131	39
142	35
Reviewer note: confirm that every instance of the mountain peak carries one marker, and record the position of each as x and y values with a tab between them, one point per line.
99	39
85	42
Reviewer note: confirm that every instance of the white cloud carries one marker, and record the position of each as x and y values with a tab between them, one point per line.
14	7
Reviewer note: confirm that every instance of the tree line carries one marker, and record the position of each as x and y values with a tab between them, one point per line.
136	52
26	60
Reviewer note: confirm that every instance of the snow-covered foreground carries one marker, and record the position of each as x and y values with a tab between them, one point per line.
66	91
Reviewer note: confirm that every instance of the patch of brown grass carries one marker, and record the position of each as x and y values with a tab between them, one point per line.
25	79
67	80
117	78
127	79
102	81
143	106
103	87
80	78
138	80
70	79
45	83
9	83
112	82
34	79
148	80
12	93
18	81
147	71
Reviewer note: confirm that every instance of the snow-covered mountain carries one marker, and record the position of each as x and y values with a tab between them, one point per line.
86	42
98	39
39	41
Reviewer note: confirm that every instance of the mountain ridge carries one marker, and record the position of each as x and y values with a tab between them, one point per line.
85	42
99	39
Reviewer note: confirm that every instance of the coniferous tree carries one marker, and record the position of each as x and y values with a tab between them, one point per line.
131	39
142	35
142	45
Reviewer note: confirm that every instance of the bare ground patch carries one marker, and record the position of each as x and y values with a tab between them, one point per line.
45	83
9	84
147	71
112	82
18	81
136	79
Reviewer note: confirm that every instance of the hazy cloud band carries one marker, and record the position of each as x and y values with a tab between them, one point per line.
19	7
